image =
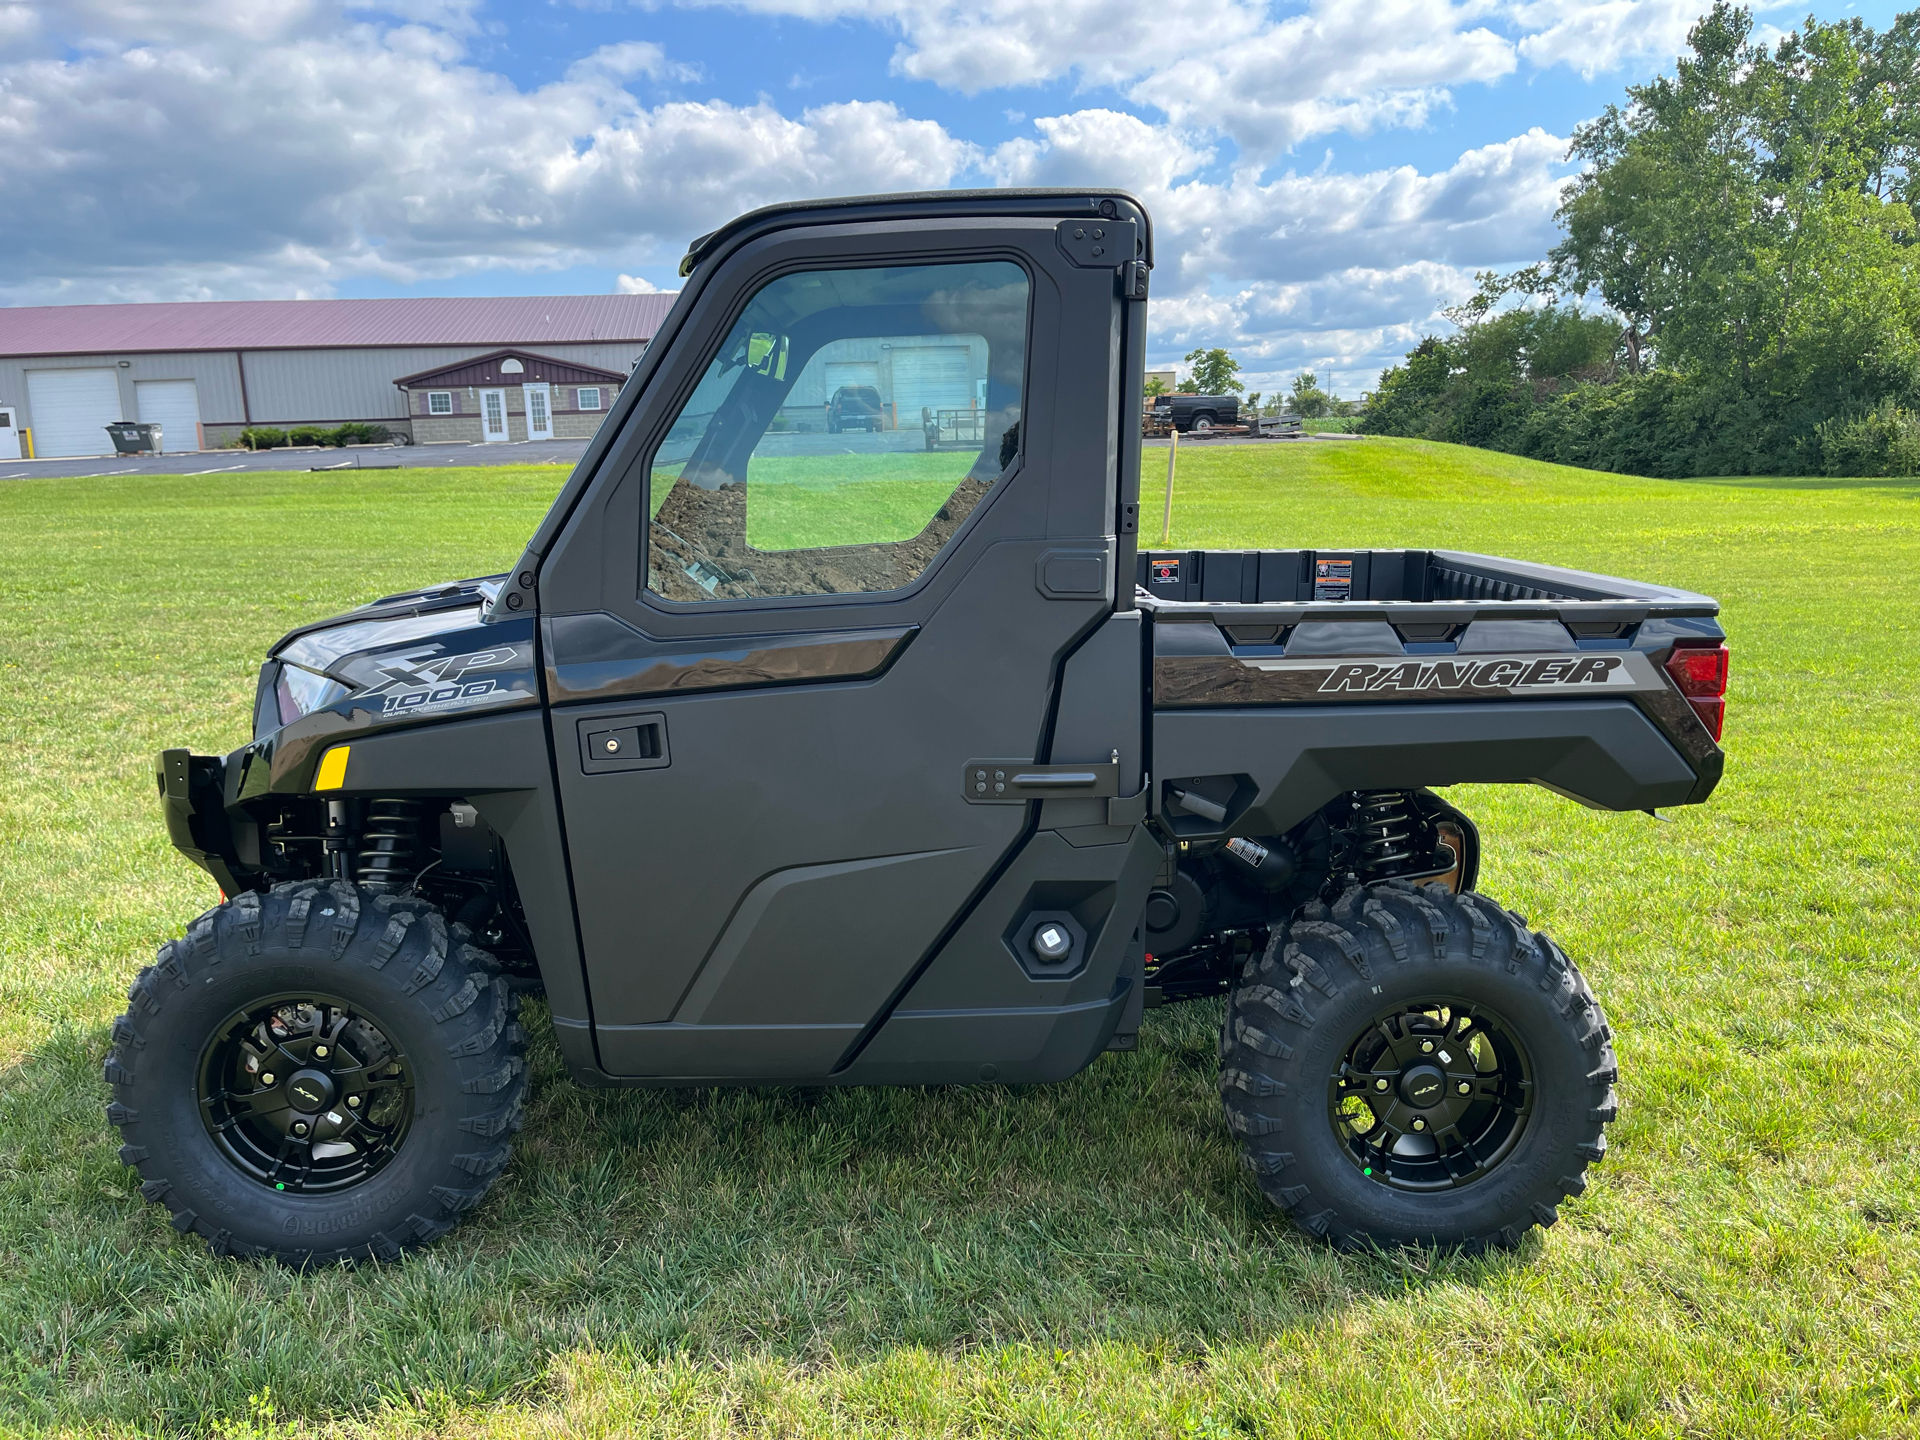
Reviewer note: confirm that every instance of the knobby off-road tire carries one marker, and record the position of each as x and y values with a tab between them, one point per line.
421	1084
1377	988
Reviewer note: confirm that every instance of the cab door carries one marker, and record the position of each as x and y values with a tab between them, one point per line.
775	653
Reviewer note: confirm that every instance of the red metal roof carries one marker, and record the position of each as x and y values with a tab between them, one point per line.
315	324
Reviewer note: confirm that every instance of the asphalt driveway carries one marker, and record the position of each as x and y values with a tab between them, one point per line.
366	457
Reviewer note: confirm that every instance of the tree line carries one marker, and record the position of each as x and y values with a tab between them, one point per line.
1734	291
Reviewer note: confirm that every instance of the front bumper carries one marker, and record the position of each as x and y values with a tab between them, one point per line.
193	799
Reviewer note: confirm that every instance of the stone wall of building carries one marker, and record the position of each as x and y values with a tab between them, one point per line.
438	429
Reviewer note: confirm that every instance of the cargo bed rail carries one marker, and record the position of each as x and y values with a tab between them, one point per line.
1286	587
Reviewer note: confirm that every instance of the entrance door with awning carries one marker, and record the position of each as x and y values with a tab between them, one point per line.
539	411
493	416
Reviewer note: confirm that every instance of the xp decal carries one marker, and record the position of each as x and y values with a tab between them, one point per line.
447	682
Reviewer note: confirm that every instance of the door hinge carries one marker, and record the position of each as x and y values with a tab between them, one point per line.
1099	243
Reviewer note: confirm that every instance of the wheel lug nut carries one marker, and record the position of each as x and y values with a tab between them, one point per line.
1380	1084
1465	1088
1419	1124
267	1078
300	1127
353	1102
1426	1047
321	1051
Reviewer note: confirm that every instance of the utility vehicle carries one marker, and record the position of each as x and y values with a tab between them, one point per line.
775	763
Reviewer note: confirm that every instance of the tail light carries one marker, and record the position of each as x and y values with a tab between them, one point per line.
1698	669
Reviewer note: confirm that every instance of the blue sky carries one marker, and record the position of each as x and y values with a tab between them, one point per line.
1325	176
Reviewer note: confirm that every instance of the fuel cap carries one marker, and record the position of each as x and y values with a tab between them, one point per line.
1052	943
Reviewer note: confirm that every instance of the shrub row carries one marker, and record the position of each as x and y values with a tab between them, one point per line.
354	432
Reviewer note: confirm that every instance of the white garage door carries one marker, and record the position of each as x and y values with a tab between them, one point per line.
851	372
71	410
173	405
936	377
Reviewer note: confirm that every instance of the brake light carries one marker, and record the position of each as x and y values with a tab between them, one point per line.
1698	669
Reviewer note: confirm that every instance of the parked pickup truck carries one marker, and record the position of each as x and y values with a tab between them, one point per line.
913	772
1199	413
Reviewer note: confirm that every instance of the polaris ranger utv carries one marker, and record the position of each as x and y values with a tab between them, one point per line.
787	759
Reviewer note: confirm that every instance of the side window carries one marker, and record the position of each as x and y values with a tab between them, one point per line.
439	402
848	425
589	397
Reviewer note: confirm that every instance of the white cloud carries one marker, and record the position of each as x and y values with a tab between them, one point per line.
1592	36
286	147
635	285
212	164
1339	271
1266	82
1339	66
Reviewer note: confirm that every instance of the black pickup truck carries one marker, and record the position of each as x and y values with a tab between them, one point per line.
1198	413
903	768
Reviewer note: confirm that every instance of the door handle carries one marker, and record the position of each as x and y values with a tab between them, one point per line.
1014	782
623	742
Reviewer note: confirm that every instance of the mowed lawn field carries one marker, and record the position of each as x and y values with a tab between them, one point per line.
1084	1259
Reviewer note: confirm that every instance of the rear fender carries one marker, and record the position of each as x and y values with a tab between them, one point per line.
1288	763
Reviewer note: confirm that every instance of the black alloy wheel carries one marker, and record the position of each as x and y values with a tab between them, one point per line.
1432	1094
324	1072
1409	1066
305	1093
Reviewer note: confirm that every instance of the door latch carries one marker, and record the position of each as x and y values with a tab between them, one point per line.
1014	782
624	742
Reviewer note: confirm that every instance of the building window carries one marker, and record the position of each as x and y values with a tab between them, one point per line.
589	397
439	402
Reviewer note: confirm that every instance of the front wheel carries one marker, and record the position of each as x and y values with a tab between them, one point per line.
320	1073
1415	1067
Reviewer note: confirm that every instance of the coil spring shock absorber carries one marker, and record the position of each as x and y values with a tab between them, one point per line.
389	852
1381	836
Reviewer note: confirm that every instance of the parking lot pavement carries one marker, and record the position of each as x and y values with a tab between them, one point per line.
534	452
365	457
1161	442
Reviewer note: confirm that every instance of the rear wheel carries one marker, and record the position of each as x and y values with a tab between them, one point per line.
1202	424
1416	1067
320	1073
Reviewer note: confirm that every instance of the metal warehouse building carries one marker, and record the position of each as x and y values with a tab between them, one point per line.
427	369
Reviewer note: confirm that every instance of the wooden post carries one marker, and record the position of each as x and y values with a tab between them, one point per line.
1166	515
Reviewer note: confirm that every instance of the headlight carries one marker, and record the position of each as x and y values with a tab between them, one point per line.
323	667
300	692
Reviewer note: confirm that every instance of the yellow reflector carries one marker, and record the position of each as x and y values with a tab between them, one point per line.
333	769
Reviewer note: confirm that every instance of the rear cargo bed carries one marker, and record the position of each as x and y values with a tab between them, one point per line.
1415	632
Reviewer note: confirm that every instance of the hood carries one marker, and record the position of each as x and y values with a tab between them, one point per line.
420	653
430	600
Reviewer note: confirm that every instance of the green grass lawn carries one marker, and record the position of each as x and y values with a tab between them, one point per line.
1084	1259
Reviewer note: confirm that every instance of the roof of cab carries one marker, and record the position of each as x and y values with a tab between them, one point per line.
922	204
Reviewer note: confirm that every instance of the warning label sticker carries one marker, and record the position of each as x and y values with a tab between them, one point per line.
1332	579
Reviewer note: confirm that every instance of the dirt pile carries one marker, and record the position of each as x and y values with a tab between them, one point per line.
703	533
